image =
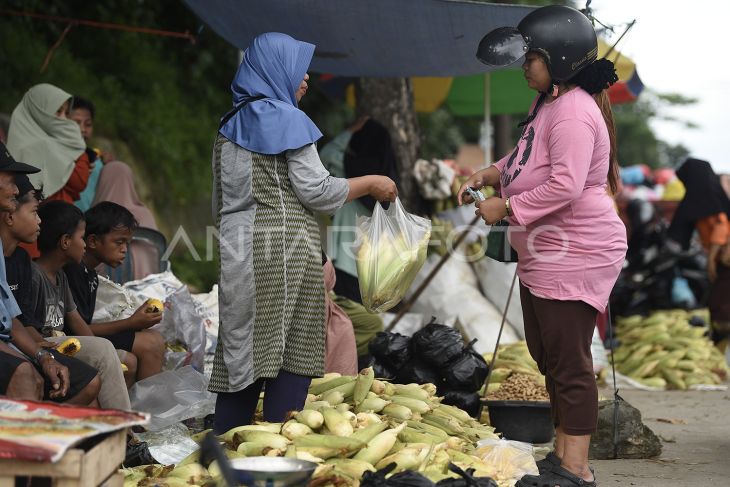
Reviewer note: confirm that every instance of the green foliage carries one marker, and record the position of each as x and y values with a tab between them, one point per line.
158	99
637	141
162	96
440	134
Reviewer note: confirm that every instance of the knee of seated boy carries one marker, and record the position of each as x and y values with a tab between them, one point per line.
152	342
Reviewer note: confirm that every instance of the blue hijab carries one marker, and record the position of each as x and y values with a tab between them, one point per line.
273	66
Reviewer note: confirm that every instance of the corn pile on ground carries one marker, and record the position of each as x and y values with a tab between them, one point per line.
350	425
664	351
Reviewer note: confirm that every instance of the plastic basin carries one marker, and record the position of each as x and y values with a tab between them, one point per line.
526	421
272	471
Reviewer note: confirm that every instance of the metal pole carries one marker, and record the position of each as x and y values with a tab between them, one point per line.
487	119
499	337
409	304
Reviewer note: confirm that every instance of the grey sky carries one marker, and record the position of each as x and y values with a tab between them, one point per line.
680	47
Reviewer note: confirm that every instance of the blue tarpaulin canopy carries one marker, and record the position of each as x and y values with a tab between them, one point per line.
395	38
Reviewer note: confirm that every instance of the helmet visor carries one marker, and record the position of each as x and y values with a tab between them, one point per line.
502	47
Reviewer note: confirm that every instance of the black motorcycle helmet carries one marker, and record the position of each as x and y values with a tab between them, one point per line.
562	34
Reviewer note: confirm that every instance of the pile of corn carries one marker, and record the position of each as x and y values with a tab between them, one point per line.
512	358
350	425
664	350
521	387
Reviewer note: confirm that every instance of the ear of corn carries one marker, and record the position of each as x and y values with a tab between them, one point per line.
363	384
337	423
69	347
294	429
331	383
269	427
311	418
379	446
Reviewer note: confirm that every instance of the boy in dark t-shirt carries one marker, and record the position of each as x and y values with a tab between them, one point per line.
109	228
80	382
50	311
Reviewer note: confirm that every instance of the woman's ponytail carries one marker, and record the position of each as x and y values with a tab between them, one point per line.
595	79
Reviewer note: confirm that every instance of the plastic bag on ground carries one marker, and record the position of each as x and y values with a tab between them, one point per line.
390	250
402	479
495	279
454	293
437	344
467	372
467	479
468	401
172	396
170	445
181	323
114	302
383	372
419	372
509	460
392	350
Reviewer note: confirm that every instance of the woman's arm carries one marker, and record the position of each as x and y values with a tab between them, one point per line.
381	188
484	177
79	177
314	186
570	148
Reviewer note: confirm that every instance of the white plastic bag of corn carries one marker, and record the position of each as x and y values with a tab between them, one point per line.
390	250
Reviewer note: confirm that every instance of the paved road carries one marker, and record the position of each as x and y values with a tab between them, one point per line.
696	448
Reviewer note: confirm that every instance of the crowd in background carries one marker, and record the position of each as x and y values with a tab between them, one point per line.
69	212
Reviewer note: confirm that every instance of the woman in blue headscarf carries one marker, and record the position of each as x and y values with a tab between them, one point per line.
268	182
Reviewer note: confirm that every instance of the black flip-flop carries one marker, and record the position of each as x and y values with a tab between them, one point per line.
550	461
557	477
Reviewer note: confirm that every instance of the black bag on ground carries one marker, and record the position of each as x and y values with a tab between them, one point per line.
467	479
392	350
437	344
419	372
402	479
468	401
382	372
468	371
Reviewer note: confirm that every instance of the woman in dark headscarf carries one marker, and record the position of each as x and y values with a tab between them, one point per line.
706	207
362	149
267	183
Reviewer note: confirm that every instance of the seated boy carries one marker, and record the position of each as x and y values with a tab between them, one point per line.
108	233
109	229
19	377
22	225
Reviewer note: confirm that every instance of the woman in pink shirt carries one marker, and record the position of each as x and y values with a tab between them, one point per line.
569	239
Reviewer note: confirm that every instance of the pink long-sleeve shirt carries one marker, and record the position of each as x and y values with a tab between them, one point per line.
570	241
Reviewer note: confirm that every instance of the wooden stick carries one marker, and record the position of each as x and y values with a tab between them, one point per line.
412	300
499	336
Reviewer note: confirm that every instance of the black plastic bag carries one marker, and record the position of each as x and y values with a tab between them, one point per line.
392	350
468	401
419	372
402	479
437	344
468	371
382	372
467	479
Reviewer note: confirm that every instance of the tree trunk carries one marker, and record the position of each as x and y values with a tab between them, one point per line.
390	102
503	142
